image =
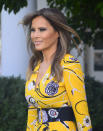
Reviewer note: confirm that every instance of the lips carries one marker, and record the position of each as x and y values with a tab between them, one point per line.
37	42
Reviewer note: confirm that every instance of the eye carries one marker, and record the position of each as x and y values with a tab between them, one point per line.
42	29
32	30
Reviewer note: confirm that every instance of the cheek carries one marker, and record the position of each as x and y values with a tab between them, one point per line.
50	37
31	35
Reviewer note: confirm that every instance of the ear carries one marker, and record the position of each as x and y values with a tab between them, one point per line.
57	34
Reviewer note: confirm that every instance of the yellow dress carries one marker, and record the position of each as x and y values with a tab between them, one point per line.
69	92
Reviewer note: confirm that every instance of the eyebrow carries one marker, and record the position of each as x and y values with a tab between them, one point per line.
39	27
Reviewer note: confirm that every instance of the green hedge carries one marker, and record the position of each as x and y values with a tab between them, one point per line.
94	91
13	106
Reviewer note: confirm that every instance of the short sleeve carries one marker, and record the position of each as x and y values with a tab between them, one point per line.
74	84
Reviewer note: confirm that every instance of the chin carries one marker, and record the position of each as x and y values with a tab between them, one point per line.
38	49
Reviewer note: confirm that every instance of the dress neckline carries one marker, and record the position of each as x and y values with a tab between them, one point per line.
44	77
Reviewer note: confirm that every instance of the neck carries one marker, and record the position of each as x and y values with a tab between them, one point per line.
48	56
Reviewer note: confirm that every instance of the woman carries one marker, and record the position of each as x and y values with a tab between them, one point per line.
55	84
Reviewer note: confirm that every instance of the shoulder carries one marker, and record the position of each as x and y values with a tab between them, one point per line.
69	59
72	64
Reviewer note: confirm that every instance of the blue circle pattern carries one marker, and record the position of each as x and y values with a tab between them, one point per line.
51	88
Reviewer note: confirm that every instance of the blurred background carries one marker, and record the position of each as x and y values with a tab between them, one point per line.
86	17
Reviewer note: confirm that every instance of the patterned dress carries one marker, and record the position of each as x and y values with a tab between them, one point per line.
52	94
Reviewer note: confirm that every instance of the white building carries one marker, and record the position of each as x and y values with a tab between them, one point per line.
14	55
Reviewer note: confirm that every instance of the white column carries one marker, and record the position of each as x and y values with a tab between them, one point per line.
14	52
41	4
89	60
74	52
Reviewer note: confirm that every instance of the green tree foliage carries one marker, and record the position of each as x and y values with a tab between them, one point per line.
12	5
86	16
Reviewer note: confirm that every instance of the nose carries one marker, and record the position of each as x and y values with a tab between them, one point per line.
35	34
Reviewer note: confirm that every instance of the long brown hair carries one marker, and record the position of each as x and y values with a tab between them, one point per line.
59	23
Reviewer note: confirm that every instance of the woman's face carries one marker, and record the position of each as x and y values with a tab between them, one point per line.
43	34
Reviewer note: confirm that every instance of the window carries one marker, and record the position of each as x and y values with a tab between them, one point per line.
98	60
98	52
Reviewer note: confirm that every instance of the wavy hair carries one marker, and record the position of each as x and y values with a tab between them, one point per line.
59	23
